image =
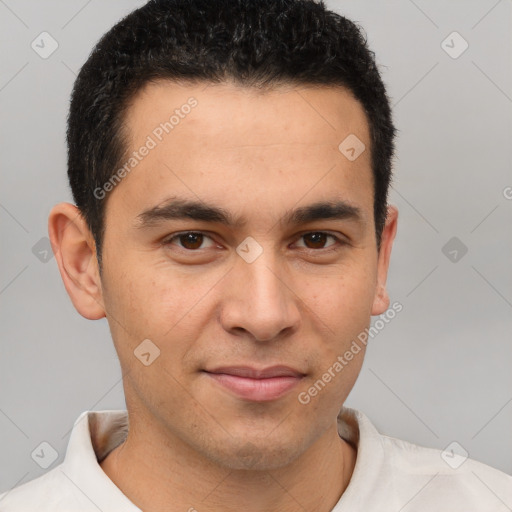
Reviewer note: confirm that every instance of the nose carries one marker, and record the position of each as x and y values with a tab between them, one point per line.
260	299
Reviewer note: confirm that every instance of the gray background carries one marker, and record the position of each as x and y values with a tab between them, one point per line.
439	372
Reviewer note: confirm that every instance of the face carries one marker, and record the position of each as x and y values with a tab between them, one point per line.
252	294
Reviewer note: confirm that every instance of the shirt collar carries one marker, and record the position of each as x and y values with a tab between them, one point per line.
96	433
355	427
96	430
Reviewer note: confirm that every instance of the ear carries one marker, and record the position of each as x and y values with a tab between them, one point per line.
381	299
75	252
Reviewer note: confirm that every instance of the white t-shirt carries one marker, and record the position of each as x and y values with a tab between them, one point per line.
390	475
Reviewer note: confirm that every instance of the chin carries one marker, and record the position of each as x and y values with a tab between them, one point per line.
258	455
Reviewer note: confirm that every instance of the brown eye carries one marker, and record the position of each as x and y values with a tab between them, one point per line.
190	240
317	239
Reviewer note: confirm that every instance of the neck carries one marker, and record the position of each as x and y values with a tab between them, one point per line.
162	474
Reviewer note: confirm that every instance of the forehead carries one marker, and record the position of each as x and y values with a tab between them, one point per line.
229	111
264	145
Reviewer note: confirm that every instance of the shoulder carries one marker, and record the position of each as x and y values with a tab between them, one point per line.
395	474
53	491
78	483
444	475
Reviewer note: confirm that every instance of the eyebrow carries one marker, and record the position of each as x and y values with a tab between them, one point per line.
179	208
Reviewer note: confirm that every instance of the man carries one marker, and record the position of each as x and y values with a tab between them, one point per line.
230	163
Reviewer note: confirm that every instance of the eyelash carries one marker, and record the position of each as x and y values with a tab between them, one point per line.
336	246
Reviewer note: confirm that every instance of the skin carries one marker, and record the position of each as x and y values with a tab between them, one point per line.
300	303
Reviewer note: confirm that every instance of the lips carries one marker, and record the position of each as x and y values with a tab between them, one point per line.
253	384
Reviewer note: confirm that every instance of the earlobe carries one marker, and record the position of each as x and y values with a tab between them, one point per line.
75	253
381	298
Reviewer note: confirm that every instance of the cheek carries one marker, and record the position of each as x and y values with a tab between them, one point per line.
342	311
343	301
134	302
155	301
